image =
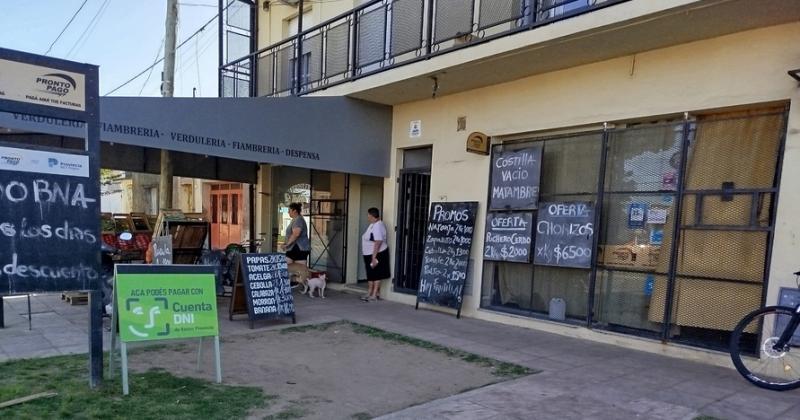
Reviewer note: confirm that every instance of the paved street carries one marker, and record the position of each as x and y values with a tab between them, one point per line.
579	379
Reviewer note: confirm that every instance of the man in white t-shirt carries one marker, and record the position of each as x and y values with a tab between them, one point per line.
376	254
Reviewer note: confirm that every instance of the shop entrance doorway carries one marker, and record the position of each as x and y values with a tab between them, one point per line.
323	196
226	214
412	212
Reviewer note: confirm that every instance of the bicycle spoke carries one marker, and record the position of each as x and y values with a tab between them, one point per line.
769	368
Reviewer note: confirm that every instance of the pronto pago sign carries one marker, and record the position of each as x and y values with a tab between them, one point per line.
42	85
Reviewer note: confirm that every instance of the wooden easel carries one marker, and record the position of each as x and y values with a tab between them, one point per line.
238	304
168	215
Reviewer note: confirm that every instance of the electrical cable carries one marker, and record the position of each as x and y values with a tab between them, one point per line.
92	24
158	54
207	39
185	67
202	28
66	26
197	61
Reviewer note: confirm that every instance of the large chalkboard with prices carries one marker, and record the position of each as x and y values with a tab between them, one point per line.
446	257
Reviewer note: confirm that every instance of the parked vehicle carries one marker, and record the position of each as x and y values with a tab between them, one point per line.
765	346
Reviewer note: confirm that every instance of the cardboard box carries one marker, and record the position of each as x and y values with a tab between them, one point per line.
629	256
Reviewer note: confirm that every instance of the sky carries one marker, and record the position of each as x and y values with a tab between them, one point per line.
122	37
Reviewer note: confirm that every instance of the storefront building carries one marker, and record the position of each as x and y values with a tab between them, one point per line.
676	122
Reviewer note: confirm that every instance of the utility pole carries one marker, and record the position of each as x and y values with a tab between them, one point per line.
167	88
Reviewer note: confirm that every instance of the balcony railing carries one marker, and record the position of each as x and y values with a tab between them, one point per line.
384	34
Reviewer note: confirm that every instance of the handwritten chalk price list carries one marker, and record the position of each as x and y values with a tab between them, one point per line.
447	249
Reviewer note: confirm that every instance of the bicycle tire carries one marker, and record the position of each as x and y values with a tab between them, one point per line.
738	353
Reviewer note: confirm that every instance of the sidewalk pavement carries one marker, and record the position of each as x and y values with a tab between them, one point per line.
579	380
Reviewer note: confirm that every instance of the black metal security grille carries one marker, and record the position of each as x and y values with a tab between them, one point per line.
266	75
570	165
685	231
412	214
337	48
284	70
453	19
371	36
406	30
236	80
726	225
495	12
312	56
641	172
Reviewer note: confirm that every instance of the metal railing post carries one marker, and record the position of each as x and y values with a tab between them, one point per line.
354	43
299	61
676	230
598	219
429	29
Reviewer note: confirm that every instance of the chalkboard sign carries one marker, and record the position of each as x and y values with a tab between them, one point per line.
49	226
515	179
565	234
508	237
788	297
266	284
162	250
447	246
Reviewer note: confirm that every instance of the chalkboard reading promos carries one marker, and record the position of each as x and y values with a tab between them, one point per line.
447	247
49	227
565	234
515	179
162	250
508	237
266	284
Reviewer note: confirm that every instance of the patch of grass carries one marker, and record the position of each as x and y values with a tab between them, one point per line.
144	347
361	416
153	394
499	368
311	327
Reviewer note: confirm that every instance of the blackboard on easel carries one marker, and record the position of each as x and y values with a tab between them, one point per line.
238	305
446	259
262	284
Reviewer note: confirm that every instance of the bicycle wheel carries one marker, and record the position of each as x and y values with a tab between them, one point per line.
752	352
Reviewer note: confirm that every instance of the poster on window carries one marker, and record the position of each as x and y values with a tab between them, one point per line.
636	215
515	179
508	237
565	234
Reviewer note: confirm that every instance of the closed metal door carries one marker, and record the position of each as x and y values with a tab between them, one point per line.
412	213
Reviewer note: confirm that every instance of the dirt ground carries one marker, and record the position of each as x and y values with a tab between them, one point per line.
325	373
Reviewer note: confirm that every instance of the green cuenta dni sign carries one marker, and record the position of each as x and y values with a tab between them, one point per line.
163	302
163	306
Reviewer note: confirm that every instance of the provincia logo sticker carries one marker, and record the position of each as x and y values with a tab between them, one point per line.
37	161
